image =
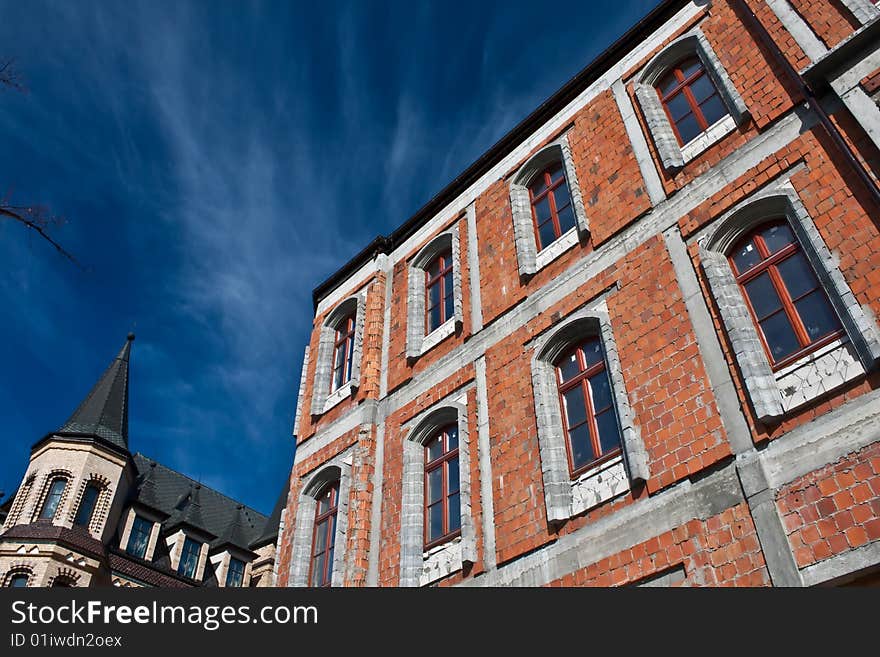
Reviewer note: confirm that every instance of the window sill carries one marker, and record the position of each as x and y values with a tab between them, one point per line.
440	561
549	253
818	373
713	134
338	395
599	484
437	336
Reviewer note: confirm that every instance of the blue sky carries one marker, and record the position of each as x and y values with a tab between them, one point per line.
215	161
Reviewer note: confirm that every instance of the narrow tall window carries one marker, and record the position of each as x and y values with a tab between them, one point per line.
551	205
139	538
442	499
324	535
189	558
343	350
18	581
589	417
786	300
53	498
690	99
87	505
439	295
235	574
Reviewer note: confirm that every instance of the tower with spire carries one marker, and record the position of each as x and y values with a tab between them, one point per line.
89	512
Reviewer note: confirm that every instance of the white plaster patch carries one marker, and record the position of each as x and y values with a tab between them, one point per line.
439	334
818	373
338	395
550	253
440	561
598	485
713	133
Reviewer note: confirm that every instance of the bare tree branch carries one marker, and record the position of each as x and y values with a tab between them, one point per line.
9	76
37	219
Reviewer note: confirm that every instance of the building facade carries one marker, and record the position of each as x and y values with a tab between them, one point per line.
89	512
635	343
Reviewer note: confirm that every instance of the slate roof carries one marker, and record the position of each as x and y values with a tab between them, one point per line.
270	529
185	501
142	571
104	412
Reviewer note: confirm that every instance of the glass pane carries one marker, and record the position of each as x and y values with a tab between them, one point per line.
817	315
19	582
435	522
538	185
52	498
702	88
581	448
555	171
746	257
609	432
797	275
434	294
546	234
447	284
434	268
678	107
713	109
688	128
778	236
690	66
435	448
329	561
667	83
320	537
542	209
448	307
592	352
433	318
763	295
566	219
454	512
435	485
452	477
575	408
86	506
317	570
561	196
780	336
452	438
600	388
568	367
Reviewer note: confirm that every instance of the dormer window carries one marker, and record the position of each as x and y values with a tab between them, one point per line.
235	573
189	558
139	538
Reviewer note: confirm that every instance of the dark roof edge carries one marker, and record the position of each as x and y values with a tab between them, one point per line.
79	437
646	26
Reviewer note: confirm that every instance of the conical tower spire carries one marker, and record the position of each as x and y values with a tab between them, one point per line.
104	412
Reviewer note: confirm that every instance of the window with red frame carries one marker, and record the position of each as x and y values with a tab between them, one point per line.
321	568
690	99
439	305
343	350
551	205
442	500
787	302
590	421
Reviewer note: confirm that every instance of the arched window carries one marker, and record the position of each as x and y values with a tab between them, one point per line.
439	292
18	580
53	498
442	486
343	353
790	308
87	505
550	200
590	422
62	582
324	536
691	101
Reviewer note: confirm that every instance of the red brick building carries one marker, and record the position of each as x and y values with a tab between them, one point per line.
634	343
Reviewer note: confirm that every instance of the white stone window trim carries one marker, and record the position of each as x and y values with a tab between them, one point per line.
338	468
767	390
419	567
22	497
150	516
529	259
417	342
322	398
565	497
672	154
864	11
